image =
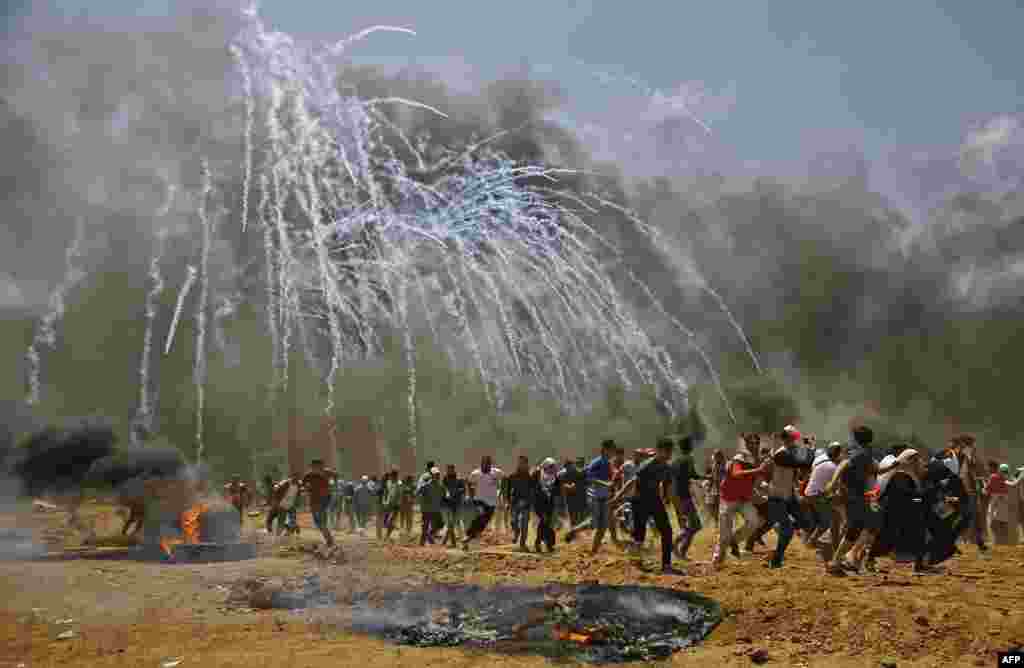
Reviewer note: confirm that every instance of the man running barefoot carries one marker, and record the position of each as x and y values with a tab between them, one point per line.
684	472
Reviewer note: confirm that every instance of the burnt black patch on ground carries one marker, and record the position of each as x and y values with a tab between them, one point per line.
593	623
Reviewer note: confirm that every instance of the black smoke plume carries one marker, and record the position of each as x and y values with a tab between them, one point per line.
58	460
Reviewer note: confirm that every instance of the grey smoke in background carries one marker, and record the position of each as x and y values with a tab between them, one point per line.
895	282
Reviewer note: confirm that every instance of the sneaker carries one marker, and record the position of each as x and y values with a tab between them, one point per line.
774	563
668	570
835	570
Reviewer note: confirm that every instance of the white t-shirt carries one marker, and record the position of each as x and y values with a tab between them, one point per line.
289	497
821	476
486	485
883	480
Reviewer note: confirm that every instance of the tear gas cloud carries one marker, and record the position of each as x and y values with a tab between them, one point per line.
893	281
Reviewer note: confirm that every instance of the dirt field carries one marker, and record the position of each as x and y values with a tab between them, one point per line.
129	613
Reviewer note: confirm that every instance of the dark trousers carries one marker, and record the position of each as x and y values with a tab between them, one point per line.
648	509
483	518
778	513
431	524
577	509
546	529
273	514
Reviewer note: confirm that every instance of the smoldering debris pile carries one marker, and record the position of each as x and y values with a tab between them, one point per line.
594	623
19	544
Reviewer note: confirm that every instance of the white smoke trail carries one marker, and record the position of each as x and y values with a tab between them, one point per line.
249	113
186	287
272	262
199	371
144	414
46	335
410	361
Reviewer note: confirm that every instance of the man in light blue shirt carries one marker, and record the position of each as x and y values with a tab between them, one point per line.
599	475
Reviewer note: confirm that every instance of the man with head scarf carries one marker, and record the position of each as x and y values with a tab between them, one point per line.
998	489
546	492
362	502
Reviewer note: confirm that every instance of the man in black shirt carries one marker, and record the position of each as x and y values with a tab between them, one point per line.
652	477
454	494
862	521
686	510
574	483
520	501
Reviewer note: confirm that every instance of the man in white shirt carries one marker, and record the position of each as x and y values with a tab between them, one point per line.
818	505
484	483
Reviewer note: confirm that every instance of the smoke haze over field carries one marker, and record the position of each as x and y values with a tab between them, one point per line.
893	277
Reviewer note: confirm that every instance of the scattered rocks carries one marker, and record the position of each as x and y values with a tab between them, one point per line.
759	656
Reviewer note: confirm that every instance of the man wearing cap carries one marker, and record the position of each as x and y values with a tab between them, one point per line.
431	502
736	498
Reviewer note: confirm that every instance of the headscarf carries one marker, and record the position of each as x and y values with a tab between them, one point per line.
548	475
903	463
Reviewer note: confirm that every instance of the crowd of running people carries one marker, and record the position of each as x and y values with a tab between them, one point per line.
851	501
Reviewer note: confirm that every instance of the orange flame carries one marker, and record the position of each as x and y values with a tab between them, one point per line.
190	524
563	633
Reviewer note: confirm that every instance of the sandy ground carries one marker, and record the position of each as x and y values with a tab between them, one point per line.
128	613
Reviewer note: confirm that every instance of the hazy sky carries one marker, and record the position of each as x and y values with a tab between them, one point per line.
881	74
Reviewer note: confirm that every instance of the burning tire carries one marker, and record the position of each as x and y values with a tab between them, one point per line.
220	525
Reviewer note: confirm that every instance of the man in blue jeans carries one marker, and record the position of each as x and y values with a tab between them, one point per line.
782	507
599	482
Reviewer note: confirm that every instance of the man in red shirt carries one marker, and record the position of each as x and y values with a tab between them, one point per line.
317	484
237	493
736	498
